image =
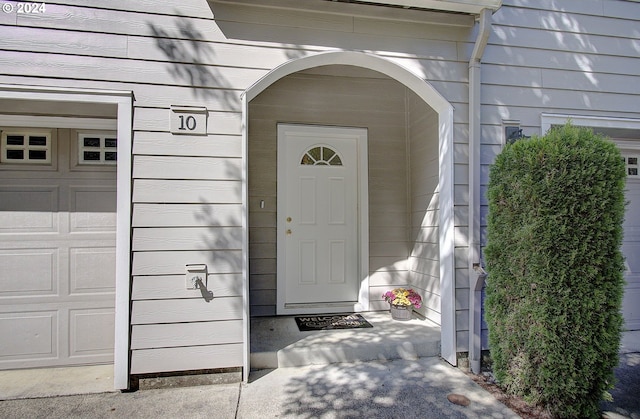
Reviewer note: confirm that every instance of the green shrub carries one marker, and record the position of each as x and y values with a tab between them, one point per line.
554	291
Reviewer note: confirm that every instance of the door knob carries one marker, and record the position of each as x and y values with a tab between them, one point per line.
288	219
288	232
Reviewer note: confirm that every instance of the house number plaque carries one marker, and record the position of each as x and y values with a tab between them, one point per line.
189	120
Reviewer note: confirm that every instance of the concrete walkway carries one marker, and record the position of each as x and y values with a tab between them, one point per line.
376	389
626	394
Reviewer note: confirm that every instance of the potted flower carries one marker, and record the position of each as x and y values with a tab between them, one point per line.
401	302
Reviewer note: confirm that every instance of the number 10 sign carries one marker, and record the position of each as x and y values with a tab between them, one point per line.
191	120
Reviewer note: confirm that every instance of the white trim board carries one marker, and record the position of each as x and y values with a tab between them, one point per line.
57	122
124	126
547	120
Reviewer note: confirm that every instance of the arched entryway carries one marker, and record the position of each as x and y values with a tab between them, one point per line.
409	154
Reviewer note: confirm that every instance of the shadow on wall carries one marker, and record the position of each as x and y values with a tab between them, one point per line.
223	241
192	60
229	18
303	35
570	59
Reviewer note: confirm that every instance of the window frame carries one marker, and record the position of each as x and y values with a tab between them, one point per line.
102	149
629	166
26	147
308	159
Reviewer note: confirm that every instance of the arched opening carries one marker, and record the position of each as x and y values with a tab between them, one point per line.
409	143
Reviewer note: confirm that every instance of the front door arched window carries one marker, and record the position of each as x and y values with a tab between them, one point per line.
321	156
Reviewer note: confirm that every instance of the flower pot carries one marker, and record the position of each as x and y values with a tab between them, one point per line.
401	312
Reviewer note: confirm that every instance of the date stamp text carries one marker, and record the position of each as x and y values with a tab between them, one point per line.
24	8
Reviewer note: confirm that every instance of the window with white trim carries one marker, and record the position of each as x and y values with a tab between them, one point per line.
631	165
26	146
97	148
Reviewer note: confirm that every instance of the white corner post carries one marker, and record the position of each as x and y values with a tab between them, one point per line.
123	242
476	274
246	323
448	338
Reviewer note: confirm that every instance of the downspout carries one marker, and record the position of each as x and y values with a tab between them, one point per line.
476	274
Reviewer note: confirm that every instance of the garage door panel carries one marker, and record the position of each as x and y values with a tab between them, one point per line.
31	272
630	306
91	332
631	251
92	209
28	209
632	264
57	261
28	335
93	270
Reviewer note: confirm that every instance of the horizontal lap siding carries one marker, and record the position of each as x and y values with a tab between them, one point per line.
424	260
581	60
187	203
186	358
186	198
177	329
186	189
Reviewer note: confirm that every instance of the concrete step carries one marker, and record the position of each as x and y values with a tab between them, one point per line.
277	342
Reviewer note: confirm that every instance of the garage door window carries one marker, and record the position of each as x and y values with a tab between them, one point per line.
32	147
97	148
632	165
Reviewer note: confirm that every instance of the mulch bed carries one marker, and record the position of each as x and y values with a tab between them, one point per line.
515	403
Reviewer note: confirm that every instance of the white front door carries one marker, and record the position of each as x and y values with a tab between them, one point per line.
319	258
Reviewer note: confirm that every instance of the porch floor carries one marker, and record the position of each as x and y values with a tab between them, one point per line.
277	342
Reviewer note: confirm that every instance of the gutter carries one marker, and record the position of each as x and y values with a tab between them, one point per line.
476	274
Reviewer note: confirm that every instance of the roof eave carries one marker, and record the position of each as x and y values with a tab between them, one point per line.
461	6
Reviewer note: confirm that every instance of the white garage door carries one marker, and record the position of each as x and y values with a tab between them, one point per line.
57	248
631	242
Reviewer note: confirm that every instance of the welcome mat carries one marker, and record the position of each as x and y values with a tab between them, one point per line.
331	322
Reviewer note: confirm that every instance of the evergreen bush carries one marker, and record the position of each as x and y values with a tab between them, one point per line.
555	284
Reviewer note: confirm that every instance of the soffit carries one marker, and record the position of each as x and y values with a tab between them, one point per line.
368	9
461	6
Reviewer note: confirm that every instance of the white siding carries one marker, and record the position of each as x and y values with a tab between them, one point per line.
186	199
569	57
186	190
423	234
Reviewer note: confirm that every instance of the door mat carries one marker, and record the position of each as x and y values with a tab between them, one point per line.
331	322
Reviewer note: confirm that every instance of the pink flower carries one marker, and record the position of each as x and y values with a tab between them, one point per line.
403	297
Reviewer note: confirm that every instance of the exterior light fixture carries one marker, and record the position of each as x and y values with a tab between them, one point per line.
513	134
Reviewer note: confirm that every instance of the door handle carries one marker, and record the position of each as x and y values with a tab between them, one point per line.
288	232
